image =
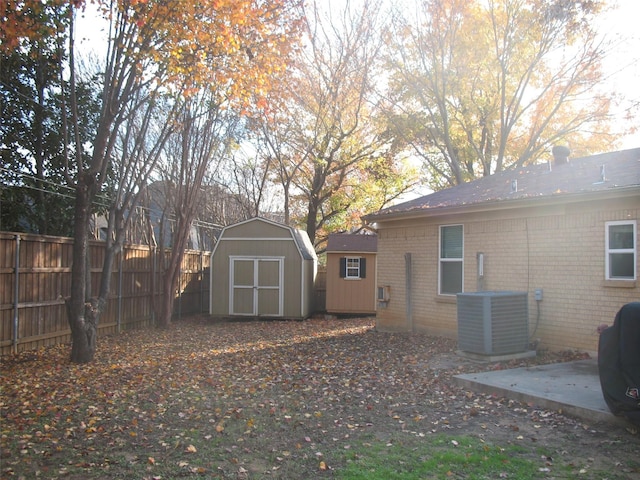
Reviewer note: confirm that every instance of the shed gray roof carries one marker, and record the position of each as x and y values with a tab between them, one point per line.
349	242
579	176
304	244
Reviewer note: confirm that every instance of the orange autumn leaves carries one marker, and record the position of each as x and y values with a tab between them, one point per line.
233	47
29	19
236	47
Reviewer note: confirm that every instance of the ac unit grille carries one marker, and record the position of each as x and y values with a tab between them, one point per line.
493	323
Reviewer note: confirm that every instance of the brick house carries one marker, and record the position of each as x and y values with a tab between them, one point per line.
566	230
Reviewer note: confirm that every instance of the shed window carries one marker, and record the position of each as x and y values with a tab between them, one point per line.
620	246
451	259
353	267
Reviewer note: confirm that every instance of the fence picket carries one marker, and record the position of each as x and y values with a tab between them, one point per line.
32	310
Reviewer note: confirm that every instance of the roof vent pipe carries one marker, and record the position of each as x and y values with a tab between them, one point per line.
560	154
603	176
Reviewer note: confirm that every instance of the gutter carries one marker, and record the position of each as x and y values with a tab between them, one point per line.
500	205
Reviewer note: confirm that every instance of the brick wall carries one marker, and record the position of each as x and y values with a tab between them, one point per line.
560	249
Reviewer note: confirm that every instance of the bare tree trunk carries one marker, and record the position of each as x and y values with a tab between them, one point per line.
171	274
169	284
201	146
83	314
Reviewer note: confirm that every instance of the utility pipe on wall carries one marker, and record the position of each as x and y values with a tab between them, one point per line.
480	261
408	287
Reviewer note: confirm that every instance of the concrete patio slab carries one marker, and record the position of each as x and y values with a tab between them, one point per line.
570	387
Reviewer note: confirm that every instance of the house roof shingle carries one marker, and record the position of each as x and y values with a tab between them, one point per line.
349	242
596	173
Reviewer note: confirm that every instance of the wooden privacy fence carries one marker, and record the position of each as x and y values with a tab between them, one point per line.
320	290
35	278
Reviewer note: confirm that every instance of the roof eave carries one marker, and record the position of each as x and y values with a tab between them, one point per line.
497	205
359	252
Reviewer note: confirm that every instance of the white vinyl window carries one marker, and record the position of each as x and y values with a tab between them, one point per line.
451	260
353	267
620	245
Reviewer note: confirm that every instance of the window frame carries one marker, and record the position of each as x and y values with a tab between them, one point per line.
608	251
442	260
349	268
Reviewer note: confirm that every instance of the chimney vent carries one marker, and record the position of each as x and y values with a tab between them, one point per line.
514	186
560	154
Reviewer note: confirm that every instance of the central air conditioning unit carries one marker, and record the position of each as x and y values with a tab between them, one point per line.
493	323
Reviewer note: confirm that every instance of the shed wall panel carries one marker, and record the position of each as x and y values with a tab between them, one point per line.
309	271
258	239
350	296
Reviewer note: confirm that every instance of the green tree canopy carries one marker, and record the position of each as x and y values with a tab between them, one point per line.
35	194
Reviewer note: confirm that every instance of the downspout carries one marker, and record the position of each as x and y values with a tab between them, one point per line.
408	288
16	296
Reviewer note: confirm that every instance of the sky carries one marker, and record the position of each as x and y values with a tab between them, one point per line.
622	68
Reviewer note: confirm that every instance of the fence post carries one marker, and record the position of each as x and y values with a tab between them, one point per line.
201	280
120	290
154	256
180	289
16	297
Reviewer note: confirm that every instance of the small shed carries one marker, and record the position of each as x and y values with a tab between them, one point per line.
351	273
260	268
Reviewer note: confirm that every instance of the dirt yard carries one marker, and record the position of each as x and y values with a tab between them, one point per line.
272	399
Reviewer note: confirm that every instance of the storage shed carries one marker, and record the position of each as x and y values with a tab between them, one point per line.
260	268
351	273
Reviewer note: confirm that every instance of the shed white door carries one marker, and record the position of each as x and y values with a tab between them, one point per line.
256	286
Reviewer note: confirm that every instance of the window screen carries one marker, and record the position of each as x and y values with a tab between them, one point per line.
451	259
620	253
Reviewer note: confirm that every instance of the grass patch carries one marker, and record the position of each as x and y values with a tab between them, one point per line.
450	457
438	457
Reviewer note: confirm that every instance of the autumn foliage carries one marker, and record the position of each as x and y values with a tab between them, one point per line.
232	49
26	20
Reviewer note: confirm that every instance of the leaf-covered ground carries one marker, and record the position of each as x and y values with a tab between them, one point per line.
270	399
